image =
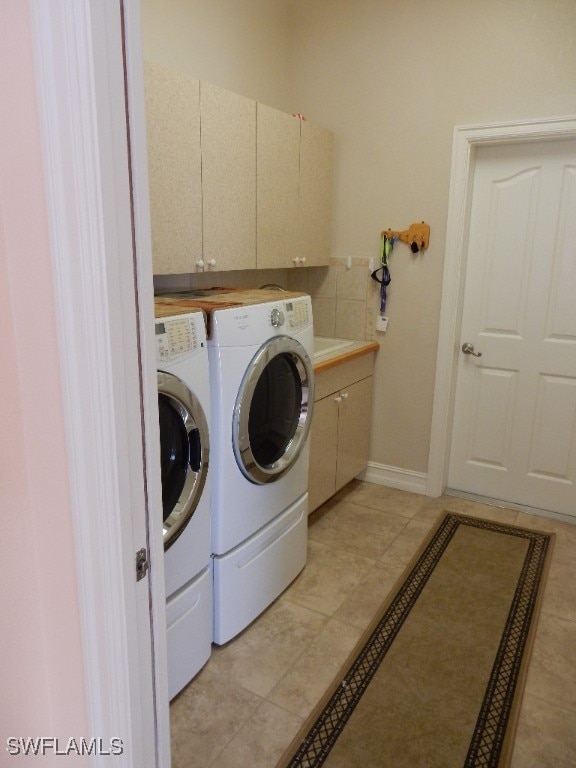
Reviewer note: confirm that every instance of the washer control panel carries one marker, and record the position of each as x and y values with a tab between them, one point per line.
297	312
175	337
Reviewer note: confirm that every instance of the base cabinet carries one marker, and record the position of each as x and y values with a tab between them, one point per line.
340	439
354	418
323	452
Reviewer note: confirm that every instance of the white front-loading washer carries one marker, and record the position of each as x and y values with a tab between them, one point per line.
184	416
262	387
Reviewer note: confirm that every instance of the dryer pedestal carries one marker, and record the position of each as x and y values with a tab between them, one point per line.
253	574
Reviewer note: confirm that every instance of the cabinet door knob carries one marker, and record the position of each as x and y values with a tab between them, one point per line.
200	264
344	395
212	263
337	399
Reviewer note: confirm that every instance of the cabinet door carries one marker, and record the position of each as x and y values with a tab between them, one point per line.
277	161
228	136
354	422
315	204
323	448
173	137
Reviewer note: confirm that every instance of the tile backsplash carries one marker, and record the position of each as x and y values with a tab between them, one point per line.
344	299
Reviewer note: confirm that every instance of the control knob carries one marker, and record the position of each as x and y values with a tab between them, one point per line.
277	317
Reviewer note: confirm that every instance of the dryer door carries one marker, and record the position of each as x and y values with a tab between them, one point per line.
184	452
273	410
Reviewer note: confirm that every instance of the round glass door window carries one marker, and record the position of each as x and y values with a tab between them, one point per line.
183	454
273	410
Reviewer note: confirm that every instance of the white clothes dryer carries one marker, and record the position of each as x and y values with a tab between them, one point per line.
184	414
262	387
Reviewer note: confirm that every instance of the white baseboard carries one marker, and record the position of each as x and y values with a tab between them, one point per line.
395	477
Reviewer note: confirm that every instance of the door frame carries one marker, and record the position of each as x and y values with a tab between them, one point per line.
466	140
90	92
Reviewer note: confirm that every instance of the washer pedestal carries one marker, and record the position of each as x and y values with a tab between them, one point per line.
189	625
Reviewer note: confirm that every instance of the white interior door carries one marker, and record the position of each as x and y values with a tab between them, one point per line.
514	428
88	70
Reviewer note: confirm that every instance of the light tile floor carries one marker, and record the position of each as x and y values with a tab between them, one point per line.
247	703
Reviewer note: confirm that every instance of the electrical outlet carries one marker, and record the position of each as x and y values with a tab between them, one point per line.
382	323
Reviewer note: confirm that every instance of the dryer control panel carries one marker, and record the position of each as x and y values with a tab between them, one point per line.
297	314
176	337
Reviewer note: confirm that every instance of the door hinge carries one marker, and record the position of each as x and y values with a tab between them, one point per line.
141	564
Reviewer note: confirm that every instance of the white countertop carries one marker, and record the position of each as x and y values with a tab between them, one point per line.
329	351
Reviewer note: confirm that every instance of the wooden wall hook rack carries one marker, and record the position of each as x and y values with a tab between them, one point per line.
417	236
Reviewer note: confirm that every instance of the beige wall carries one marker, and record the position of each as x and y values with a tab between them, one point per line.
240	45
392	79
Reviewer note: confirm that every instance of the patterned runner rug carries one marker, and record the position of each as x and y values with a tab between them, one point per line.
437	679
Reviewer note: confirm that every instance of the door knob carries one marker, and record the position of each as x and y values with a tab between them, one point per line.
468	349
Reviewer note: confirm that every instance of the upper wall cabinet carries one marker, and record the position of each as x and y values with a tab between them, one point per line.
233	184
173	128
228	139
315	196
294	190
278	171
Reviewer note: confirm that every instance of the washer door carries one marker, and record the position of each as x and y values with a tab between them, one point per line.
273	410
184	452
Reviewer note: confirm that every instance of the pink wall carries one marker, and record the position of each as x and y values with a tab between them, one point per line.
41	671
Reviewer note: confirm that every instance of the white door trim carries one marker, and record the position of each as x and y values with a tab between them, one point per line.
466	140
149	382
103	294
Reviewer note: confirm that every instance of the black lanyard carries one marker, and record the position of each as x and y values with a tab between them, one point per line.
385	279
